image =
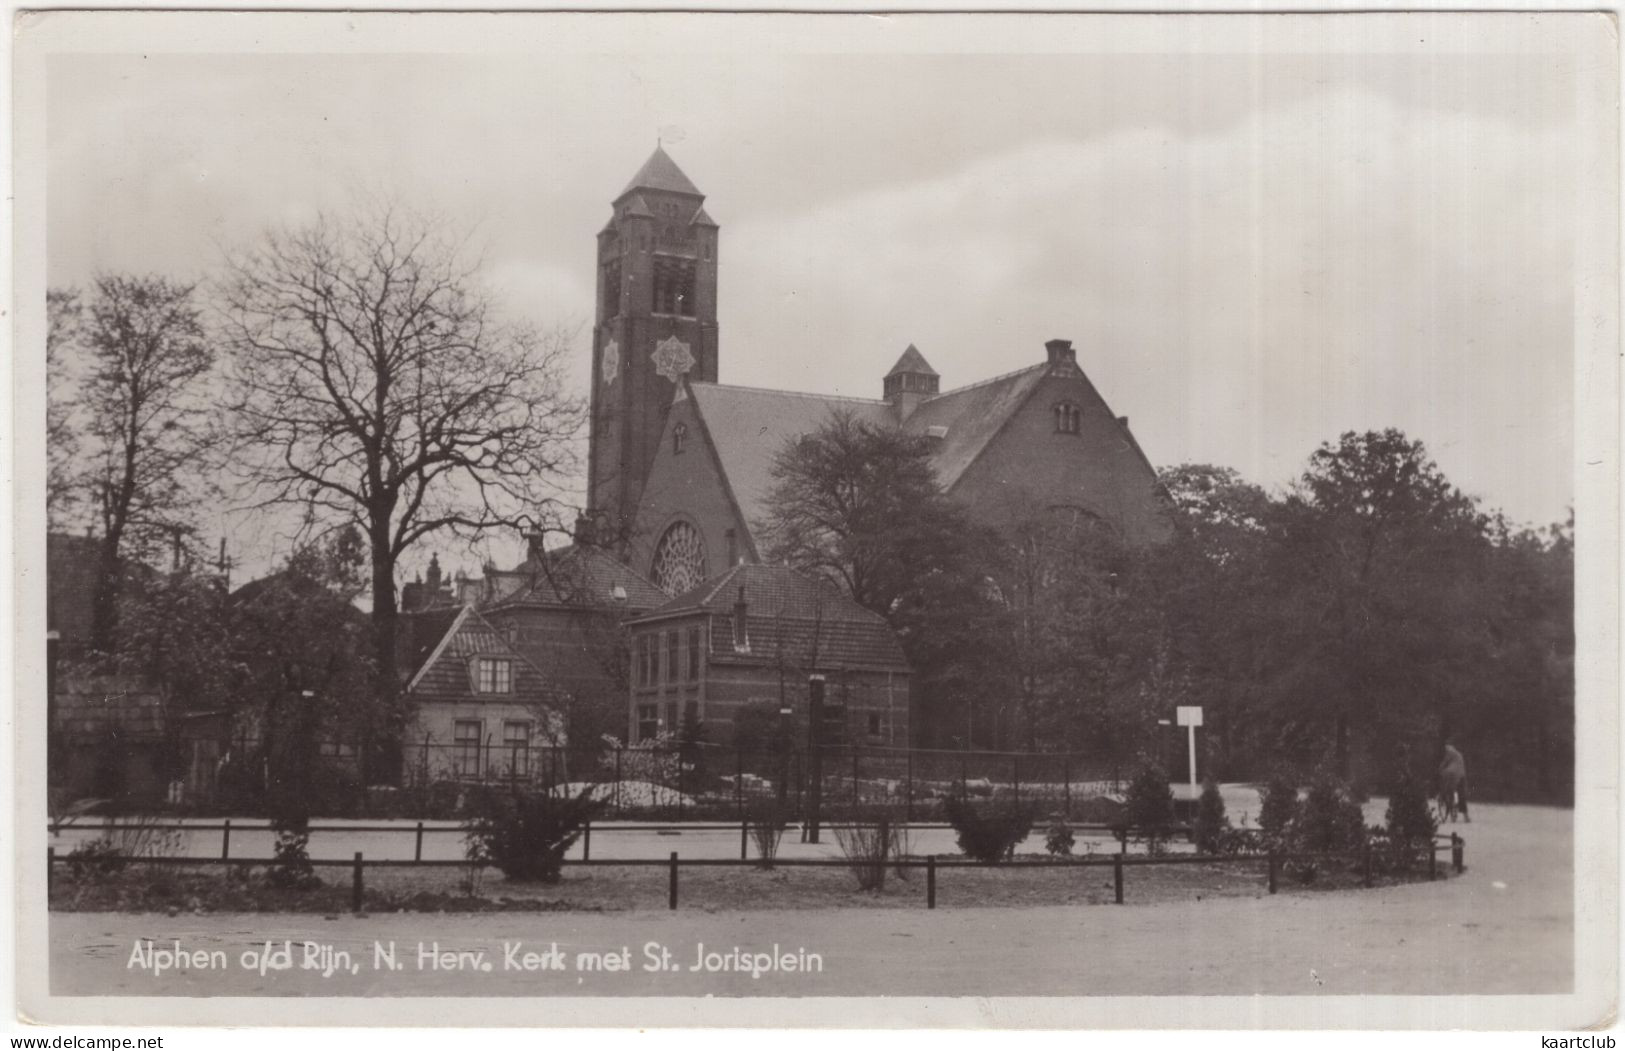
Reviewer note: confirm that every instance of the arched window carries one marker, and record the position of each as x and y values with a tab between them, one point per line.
679	561
679	438
1068	418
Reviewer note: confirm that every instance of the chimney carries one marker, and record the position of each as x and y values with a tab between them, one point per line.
741	636
1060	350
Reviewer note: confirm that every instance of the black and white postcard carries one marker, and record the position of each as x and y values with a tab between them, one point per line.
639	519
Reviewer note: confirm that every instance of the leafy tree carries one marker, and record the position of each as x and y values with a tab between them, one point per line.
64	314
1210	819
373	384
146	358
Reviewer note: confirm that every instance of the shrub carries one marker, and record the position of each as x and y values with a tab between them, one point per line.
95	859
1150	805
525	834
1329	819
990	832
870	849
1410	821
292	868
1211	822
1279	806
1058	840
766	830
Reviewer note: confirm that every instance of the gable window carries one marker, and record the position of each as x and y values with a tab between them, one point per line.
1068	418
693	654
516	748
465	754
679	438
493	675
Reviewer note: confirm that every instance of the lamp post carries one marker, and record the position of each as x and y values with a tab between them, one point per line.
815	745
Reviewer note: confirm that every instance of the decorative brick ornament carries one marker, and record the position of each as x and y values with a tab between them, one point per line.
672	358
612	361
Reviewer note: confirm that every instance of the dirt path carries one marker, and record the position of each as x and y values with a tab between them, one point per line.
1505	926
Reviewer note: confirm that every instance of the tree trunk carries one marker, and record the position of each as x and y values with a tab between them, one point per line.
381	736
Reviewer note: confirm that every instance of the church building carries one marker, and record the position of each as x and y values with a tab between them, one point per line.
680	464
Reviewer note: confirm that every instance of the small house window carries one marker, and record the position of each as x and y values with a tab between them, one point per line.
648	722
1068	418
493	675
693	654
465	758
673	671
645	660
516	748
876	724
679	438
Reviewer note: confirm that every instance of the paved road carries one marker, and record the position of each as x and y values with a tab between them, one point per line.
1506	926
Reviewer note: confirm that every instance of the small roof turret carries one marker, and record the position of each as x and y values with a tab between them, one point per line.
912	361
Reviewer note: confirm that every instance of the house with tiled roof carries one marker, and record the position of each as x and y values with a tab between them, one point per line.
750	637
479	708
563	610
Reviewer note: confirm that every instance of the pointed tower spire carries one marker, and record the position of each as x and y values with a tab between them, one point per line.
910	381
661	173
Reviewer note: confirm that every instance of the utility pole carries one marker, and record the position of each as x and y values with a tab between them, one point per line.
815	747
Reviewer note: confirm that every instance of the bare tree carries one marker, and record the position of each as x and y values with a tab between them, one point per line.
145	359
64	317
373	384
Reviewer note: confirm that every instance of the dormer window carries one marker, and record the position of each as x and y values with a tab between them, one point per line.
493	675
679	438
1068	418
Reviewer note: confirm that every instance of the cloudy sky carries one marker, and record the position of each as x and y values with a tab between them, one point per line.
1252	252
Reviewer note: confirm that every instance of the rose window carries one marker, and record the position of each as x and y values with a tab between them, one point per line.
679	562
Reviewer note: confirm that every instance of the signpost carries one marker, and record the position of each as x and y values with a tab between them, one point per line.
1190	717
815	749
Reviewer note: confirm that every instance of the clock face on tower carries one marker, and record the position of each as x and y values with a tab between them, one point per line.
672	358
612	361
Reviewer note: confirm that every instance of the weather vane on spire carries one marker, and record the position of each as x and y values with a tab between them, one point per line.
672	133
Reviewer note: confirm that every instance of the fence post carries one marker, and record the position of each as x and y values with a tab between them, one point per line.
617	781
908	803
739	783
356	885
1433	859
744	840
586	840
1458	847
417	851
672	903
1117	877
1273	868
931	881
50	869
854	783
225	840
1368	864
1066	785
1015	776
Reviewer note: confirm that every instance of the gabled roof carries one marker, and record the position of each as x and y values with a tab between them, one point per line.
660	172
972	416
912	361
748	426
789	615
576	576
456	631
701	218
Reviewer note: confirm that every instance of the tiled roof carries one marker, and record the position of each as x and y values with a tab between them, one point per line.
789	614
660	172
749	426
912	361
581	576
972	416
418	635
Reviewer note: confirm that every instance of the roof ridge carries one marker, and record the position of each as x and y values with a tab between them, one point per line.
991	379
722	581
789	393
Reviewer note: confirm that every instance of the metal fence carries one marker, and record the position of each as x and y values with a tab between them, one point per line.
686	782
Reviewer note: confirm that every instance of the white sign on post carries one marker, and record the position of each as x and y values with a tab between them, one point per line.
1190	717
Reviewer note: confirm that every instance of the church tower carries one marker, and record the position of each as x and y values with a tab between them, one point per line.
656	323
